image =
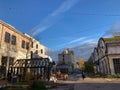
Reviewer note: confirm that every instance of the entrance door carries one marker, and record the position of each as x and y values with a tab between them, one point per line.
3	65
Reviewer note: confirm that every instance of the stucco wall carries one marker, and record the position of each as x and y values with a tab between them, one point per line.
114	50
7	49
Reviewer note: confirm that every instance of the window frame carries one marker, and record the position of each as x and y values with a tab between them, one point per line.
41	51
36	46
13	41
116	63
36	52
23	44
32	45
31	54
27	45
7	37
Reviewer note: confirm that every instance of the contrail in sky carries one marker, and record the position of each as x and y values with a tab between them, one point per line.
54	17
65	6
78	40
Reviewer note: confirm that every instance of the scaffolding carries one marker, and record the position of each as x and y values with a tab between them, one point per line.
39	68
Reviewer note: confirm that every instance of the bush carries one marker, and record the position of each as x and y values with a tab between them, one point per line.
38	85
107	76
100	75
116	76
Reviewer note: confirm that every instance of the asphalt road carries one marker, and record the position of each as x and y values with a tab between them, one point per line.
88	84
97	86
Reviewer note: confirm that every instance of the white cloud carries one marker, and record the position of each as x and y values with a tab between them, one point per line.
40	30
83	50
80	41
115	30
54	17
88	41
77	40
65	6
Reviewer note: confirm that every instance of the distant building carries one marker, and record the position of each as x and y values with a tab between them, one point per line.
66	61
16	45
106	56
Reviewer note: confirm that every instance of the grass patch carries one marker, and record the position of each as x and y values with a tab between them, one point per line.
38	85
99	75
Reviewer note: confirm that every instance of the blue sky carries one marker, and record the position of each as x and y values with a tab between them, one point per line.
62	23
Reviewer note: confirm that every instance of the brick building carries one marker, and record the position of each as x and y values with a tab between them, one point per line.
16	45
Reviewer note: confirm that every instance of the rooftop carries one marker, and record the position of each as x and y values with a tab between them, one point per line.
116	38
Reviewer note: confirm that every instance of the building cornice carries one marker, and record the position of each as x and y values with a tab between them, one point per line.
12	28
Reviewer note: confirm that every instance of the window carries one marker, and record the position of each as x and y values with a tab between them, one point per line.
23	44
36	45
7	37
116	62
4	61
27	45
11	61
36	51
13	40
32	44
41	51
63	58
31	54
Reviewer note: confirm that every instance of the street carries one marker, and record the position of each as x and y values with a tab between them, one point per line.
75	82
88	84
97	86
